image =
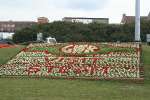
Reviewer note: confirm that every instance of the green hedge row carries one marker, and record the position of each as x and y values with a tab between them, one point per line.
79	32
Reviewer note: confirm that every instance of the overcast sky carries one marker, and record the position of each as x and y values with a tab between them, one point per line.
57	9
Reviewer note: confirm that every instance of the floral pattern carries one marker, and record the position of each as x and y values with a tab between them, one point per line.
76	60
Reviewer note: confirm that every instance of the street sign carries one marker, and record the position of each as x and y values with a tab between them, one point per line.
39	36
148	37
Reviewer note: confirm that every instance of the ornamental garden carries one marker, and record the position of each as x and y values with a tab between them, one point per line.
77	60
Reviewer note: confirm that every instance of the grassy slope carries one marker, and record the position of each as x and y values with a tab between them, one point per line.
48	89
8	53
146	61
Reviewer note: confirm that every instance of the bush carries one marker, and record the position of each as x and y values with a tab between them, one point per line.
79	32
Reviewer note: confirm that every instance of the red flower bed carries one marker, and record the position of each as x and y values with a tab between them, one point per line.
6	46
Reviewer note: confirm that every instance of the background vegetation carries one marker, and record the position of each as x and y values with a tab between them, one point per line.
79	32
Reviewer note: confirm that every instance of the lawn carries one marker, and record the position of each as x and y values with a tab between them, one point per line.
7	53
48	89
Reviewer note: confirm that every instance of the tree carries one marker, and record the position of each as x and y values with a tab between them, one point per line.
25	35
79	32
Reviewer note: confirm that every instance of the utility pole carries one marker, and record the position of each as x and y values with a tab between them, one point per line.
137	22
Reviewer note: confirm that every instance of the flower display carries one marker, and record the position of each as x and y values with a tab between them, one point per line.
77	60
6	46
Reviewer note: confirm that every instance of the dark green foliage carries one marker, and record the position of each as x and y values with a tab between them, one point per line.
79	32
25	35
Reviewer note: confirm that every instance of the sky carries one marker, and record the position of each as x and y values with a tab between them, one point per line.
29	10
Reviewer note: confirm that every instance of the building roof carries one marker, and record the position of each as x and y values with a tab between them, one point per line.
17	22
82	18
130	19
42	17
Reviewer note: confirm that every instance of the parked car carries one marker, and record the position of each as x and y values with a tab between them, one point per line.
6	42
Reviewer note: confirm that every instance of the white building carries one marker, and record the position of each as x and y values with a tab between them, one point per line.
86	20
6	35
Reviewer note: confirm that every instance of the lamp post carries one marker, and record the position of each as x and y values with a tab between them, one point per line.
137	21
